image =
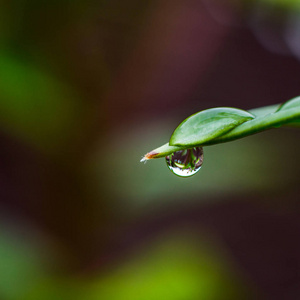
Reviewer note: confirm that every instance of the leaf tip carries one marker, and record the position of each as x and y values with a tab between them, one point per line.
148	156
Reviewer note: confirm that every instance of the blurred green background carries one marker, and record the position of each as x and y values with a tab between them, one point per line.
87	88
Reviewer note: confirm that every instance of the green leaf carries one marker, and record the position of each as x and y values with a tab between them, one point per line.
271	120
293	103
208	124
265	110
220	125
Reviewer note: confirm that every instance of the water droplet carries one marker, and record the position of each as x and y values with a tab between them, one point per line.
185	162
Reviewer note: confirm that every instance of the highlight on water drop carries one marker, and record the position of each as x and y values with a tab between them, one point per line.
185	163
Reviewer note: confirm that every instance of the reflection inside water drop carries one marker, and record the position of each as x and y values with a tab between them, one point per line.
185	162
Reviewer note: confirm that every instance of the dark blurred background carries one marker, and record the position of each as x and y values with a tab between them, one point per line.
87	88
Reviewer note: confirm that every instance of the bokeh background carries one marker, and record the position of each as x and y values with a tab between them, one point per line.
87	88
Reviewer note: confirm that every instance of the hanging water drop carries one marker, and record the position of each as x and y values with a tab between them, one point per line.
185	162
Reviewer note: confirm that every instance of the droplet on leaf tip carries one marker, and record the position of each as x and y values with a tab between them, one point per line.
185	163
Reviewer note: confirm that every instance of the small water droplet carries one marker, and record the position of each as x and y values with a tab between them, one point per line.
185	162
